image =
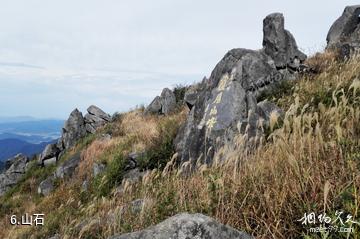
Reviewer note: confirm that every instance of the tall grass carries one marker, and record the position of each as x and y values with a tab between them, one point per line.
310	162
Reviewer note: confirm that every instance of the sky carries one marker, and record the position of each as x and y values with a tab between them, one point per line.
59	55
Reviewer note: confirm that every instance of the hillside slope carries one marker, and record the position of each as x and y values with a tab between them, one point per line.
290	149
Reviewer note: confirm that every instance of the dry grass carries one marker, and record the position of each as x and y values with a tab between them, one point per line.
311	163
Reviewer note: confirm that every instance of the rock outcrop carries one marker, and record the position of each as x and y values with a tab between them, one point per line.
163	104
15	169
187	226
75	128
46	186
50	153
280	44
344	34
95	118
225	104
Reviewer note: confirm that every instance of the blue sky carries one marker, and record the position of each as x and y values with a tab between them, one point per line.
59	55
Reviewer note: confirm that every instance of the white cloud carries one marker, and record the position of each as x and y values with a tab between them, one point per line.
118	53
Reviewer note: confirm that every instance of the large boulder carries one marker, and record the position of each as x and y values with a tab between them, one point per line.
73	130
225	105
95	118
280	44
344	34
16	168
163	104
68	167
189	226
51	151
46	186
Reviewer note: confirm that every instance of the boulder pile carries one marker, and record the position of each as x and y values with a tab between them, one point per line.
75	128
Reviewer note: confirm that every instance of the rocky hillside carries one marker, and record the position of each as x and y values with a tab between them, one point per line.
270	136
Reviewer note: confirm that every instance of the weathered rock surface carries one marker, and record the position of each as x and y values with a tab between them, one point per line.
46	186
67	168
344	34
225	104
74	129
163	104
95	118
15	169
184	226
280	44
50	151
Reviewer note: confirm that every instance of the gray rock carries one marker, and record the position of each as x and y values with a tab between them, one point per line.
163	104
49	162
344	34
50	151
16	168
46	186
280	44
74	129
183	226
95	118
67	168
98	168
94	110
225	104
168	103
155	106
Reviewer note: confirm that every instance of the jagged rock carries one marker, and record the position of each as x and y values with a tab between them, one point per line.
223	103
95	118
94	110
155	106
187	226
280	44
50	151
168	103
67	168
163	104
226	103
74	129
344	34
16	168
46	186
98	168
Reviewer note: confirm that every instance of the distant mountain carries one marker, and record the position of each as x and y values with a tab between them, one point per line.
34	139
11	147
16	119
40	127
